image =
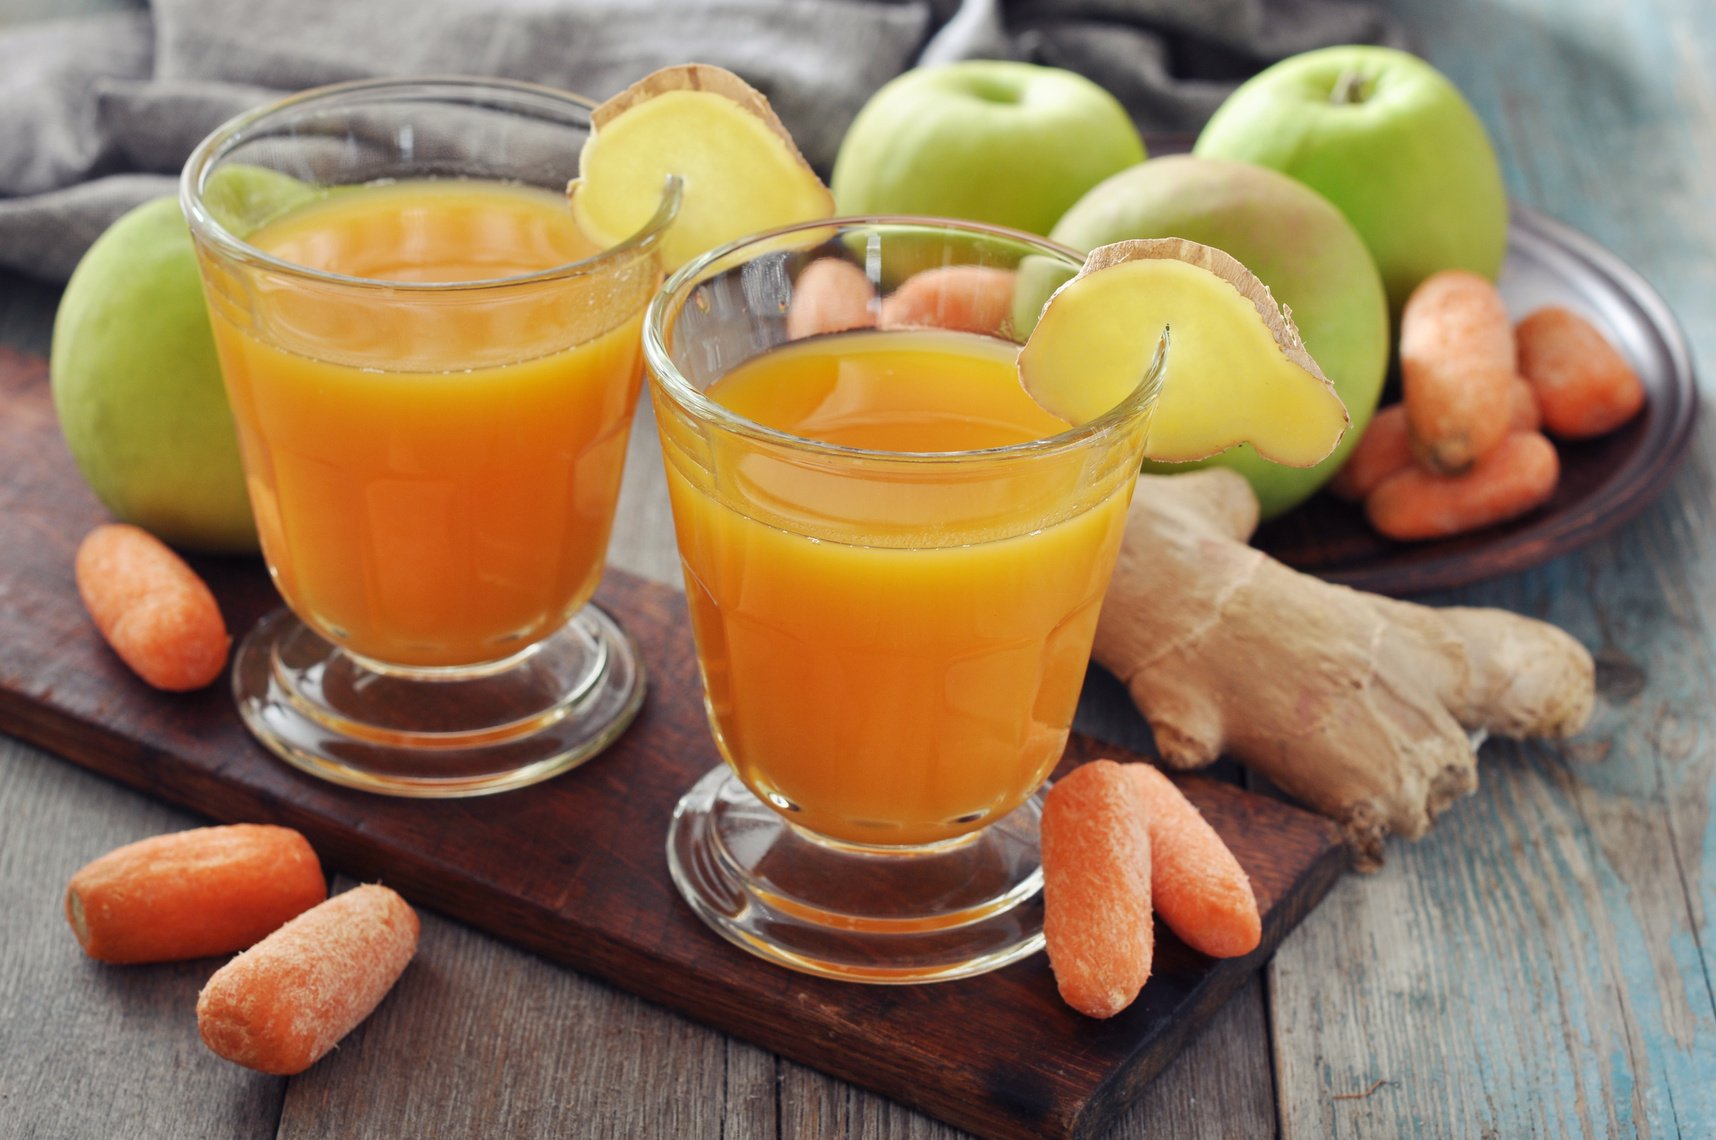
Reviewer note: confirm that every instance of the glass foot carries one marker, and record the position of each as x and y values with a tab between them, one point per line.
867	914
438	733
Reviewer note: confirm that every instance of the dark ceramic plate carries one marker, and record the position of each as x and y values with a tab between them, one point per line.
1604	482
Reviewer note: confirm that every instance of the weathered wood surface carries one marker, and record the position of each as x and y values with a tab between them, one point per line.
1541	965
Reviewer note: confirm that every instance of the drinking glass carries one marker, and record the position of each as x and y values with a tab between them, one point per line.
891	642
432	374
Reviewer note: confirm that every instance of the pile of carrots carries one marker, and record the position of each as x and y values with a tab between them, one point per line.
1122	844
1467	447
312	967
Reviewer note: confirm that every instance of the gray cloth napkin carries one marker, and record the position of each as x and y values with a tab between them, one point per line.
97	115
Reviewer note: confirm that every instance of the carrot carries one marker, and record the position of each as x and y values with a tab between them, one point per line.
830	295
1196	884
1386	446
1511	480
1383	449
1584	386
151	607
968	298
1456	368
281	1005
1096	888
1524	414
210	890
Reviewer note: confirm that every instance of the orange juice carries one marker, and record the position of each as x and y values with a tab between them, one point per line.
433	467
892	651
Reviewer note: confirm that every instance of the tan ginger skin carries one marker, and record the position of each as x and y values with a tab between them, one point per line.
1358	705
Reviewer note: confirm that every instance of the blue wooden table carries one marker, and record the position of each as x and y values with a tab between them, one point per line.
1544	962
1541	965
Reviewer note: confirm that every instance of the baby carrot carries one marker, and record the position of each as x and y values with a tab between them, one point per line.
1096	888
1584	386
281	1005
1524	414
1386	446
210	890
1456	368
968	298
1196	884
1383	449
151	607
1514	478
830	295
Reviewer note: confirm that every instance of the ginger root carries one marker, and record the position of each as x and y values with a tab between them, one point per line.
1360	706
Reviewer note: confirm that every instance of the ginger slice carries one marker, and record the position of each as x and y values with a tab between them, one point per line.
740	170
1236	369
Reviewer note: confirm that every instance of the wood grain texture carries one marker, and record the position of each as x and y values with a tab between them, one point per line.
86	1049
499	1043
1211	1091
1541	964
478	1039
588	886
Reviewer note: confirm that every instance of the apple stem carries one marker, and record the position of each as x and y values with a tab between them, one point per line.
1349	88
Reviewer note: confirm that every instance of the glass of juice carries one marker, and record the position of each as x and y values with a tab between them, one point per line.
894	561
433	373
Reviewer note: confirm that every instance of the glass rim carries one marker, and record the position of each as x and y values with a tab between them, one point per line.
241	128
666	377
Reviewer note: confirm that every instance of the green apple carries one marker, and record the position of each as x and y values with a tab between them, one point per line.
1296	243
136	385
1389	140
1013	144
243	198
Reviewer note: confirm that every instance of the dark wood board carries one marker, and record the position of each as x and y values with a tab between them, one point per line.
574	869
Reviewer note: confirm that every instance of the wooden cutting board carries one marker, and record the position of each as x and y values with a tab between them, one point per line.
574	869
